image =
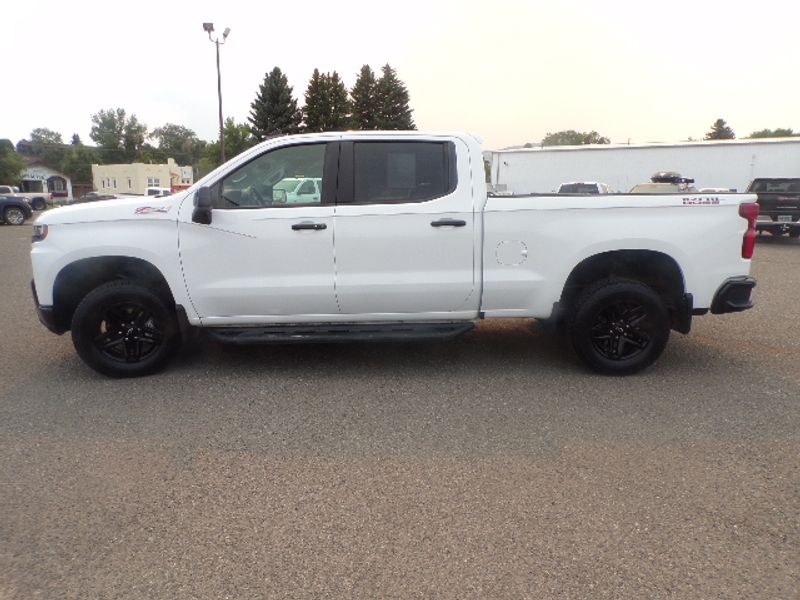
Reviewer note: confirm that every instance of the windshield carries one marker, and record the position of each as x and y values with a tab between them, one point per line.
578	188
775	185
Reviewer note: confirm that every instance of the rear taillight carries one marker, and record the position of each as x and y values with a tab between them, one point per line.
749	211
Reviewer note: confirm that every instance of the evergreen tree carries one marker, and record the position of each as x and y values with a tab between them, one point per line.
76	140
327	105
364	100
392	98
720	131
274	111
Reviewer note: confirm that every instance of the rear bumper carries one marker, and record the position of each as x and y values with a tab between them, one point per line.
733	295
771	223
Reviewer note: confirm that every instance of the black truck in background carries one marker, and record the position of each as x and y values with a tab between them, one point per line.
779	203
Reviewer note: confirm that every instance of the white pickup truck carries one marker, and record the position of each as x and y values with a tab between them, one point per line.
402	242
36	200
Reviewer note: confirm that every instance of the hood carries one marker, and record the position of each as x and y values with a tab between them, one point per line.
117	209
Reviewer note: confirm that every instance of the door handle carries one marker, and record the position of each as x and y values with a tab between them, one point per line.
448	223
313	226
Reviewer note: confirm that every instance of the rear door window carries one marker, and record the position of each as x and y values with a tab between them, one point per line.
399	172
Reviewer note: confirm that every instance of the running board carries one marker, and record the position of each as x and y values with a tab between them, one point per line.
359	332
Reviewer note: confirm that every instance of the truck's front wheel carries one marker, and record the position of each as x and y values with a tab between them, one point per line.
619	326
122	329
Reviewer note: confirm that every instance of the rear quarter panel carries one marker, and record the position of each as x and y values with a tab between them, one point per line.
532	244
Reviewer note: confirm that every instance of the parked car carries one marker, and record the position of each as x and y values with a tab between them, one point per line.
297	190
584	187
779	199
36	200
158	192
14	210
665	182
93	197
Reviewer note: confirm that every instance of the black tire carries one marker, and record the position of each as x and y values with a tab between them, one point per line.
38	204
619	327
122	329
14	215
794	233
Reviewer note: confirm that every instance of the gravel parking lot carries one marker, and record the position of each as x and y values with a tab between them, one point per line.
492	466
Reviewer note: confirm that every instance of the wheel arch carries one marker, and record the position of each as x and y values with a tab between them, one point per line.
655	269
79	278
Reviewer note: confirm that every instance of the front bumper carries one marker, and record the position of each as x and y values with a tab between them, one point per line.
46	314
733	295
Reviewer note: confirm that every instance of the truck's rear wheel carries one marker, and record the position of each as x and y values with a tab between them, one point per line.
38	204
122	329
619	326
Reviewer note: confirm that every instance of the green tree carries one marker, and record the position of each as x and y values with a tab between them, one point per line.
773	133
120	137
274	111
178	142
720	131
570	137
392	99
238	138
42	135
364	100
11	164
77	163
327	104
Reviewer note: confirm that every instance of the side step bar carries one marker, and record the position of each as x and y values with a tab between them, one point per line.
328	333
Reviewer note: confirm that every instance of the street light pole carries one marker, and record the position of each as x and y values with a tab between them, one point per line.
209	28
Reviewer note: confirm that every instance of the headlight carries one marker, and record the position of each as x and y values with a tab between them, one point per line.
39	233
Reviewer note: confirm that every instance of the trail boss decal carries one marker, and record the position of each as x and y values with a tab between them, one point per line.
146	210
704	201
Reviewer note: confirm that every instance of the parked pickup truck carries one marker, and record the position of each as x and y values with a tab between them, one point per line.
402	243
37	200
779	202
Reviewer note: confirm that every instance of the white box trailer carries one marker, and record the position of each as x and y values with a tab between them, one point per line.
714	164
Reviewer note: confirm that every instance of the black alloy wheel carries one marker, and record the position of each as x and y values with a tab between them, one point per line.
129	332
619	326
123	329
619	331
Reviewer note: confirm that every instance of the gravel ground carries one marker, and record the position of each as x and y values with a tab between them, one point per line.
492	466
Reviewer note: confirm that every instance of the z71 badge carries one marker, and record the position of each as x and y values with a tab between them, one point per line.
146	210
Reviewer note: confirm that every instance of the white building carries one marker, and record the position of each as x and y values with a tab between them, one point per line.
712	164
135	178
39	178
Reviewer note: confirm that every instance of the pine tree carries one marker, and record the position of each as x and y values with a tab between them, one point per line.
364	101
274	111
392	98
327	105
720	131
340	107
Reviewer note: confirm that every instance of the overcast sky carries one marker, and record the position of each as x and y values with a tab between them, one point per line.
508	70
